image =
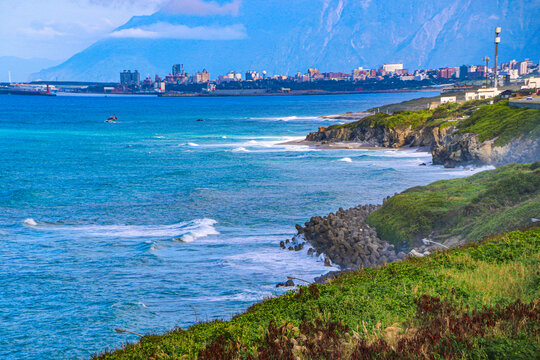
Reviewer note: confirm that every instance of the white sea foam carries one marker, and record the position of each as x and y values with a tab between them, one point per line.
192	144
290	118
188	231
240	149
30	222
201	228
347	159
223	137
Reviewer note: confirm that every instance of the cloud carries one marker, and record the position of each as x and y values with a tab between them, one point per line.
201	7
45	31
167	31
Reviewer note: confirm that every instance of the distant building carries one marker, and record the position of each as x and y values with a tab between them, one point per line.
482	94
128	78
448	99
201	77
336	76
231	76
252	75
532	83
463	71
312	72
391	68
301	77
523	68
361	74
178	69
447	73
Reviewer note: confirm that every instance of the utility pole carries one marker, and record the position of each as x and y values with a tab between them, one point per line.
497	41
486	59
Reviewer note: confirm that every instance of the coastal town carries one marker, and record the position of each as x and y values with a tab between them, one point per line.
385	78
271	180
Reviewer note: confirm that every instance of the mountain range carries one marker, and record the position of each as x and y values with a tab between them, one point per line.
20	68
287	36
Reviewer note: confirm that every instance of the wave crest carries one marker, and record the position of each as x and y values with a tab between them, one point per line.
187	231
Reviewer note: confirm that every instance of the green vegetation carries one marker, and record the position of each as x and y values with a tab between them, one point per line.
476	302
417	118
479	301
491	202
488	121
502	121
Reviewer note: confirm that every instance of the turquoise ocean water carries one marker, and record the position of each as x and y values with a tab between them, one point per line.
161	220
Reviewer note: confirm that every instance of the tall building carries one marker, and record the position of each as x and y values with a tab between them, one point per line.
523	68
463	71
178	69
128	78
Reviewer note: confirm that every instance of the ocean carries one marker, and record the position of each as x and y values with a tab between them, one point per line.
161	220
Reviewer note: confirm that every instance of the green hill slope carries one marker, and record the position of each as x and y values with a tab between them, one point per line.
480	301
491	202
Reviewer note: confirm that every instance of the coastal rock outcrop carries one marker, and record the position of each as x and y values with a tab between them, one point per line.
448	146
466	149
381	136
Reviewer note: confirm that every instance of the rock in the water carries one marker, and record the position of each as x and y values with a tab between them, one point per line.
327	262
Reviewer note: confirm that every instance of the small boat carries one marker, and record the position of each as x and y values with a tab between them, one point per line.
112	119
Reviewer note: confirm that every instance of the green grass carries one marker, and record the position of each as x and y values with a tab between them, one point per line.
491	202
502	121
385	313
488	121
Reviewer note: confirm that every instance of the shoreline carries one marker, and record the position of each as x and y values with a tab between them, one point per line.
349	145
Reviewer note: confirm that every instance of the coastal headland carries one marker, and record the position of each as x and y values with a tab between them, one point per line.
477	132
427	271
479	300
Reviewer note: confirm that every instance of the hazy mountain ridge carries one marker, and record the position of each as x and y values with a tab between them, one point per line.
21	68
334	35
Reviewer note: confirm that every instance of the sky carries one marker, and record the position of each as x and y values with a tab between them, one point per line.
57	29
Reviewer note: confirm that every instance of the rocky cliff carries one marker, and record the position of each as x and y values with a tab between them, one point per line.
465	149
471	133
382	136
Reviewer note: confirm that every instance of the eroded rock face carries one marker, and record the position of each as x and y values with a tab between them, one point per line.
383	137
448	148
466	149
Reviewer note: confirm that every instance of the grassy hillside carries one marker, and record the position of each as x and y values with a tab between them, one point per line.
488	121
480	301
502	121
491	202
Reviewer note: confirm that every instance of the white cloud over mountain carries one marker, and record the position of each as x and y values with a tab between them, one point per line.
163	30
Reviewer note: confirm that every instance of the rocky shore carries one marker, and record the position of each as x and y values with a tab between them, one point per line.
454	139
344	239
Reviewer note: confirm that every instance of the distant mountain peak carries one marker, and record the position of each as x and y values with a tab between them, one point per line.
284	36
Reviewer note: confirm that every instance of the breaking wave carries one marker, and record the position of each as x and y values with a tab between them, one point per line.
188	231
